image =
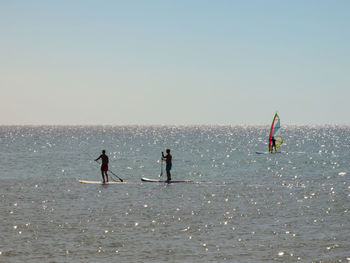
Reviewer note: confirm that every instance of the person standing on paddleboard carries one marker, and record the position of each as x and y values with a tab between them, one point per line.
168	159
104	165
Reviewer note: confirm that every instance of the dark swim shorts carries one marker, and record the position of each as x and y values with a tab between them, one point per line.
168	166
104	167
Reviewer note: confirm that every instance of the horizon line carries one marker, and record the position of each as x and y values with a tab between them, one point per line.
170	125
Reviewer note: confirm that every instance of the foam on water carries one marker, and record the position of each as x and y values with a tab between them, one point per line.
246	207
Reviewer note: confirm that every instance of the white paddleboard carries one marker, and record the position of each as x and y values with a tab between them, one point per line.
98	182
144	179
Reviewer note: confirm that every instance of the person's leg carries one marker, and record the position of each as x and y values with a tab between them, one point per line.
103	177
168	175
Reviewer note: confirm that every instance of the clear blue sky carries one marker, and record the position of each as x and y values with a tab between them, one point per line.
174	62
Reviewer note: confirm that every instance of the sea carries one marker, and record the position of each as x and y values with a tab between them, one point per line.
290	206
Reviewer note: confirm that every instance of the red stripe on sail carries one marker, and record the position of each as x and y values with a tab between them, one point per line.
274	118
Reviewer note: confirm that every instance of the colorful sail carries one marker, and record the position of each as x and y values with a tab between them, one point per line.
276	125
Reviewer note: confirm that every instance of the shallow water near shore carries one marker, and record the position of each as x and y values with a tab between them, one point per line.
241	207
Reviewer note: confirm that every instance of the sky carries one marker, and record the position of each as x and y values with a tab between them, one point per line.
166	62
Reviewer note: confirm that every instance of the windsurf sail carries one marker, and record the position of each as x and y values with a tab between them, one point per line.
275	126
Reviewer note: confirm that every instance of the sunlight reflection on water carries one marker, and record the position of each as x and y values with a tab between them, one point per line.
246	207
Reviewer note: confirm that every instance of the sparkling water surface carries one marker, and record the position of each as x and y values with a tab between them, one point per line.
291	206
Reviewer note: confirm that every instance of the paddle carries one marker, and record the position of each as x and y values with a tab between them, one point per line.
161	168
113	173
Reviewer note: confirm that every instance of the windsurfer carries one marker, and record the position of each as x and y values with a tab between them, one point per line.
168	159
273	144
104	165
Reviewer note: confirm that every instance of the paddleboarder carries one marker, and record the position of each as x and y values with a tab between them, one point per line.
168	159
104	165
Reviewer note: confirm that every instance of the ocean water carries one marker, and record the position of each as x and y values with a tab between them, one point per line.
291	206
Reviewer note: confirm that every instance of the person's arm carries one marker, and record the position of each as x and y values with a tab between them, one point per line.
98	158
